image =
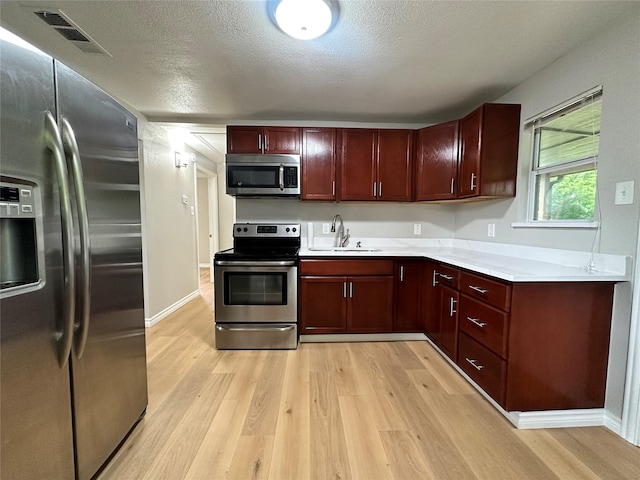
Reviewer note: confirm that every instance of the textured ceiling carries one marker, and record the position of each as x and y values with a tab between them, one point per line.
386	61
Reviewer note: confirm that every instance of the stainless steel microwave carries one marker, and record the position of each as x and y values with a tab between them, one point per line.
263	175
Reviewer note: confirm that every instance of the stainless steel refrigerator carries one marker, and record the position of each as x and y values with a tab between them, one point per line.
73	366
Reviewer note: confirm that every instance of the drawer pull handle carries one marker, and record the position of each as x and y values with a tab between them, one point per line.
434	280
473	363
477	289
476	322
446	277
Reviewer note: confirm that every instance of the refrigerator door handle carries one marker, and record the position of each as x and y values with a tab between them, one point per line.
54	143
71	149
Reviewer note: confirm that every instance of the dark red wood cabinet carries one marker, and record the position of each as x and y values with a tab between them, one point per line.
318	163
430	295
530	346
261	140
346	296
375	165
409	278
437	151
489	151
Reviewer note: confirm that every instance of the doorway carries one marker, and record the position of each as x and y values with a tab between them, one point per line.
207	218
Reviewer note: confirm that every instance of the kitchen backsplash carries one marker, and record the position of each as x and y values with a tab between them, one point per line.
368	220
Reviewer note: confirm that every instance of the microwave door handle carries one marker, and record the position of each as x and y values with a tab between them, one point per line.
281	176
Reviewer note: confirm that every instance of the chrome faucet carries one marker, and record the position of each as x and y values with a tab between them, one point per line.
342	238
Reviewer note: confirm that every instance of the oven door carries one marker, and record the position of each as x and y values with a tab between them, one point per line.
259	291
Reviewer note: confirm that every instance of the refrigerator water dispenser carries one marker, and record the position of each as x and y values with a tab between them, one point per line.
18	244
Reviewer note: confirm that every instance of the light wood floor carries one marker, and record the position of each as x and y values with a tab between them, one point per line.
337	411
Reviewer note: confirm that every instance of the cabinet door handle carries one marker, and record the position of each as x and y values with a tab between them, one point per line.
446	277
344	289
350	289
375	189
260	142
477	322
434	280
380	189
473	363
478	289
452	179
473	182
452	306
333	188
402	273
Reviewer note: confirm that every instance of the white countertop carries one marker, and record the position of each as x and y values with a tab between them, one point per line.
515	263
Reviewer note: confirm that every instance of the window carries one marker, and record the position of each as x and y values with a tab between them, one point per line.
565	156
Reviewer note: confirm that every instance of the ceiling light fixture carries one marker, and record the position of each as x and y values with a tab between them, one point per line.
303	19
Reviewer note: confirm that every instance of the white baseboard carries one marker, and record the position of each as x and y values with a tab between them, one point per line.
613	423
150	322
588	417
361	337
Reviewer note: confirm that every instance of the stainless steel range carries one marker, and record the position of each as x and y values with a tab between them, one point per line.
256	297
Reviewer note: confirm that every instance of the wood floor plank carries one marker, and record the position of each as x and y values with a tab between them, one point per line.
443	456
367	457
252	457
263	414
601	451
329	457
291	447
405	459
177	454
559	459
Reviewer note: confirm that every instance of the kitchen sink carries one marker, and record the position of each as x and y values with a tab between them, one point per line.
344	249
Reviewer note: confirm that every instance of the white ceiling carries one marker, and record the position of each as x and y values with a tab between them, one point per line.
209	63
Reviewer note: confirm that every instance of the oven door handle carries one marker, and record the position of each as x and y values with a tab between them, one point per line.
255	329
258	263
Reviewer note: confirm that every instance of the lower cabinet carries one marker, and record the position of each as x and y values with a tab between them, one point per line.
346	296
409	291
530	346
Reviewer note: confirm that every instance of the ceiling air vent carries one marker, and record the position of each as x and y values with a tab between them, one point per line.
69	30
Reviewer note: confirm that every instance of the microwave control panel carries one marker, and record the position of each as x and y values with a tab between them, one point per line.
290	177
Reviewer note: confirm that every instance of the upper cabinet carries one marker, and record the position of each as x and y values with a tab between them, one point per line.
489	151
259	140
375	164
437	150
318	161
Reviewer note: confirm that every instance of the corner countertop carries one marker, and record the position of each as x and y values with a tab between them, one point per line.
514	263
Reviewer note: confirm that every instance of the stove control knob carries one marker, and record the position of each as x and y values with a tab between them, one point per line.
245	229
238	229
294	229
288	229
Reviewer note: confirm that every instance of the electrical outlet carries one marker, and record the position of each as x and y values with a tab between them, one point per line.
417	228
491	230
326	228
624	193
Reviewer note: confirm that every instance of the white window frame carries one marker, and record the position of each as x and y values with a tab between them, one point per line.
535	172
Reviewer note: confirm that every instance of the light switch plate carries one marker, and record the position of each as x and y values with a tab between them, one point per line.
491	230
624	193
417	228
326	228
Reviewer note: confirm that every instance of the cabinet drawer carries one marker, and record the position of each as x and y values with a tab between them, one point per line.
448	276
346	267
489	291
483	366
485	324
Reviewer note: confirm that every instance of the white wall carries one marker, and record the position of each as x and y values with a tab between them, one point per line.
202	189
169	227
226	212
612	60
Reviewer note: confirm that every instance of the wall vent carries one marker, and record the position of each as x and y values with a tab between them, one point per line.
62	24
